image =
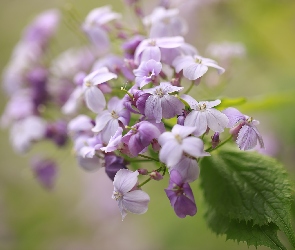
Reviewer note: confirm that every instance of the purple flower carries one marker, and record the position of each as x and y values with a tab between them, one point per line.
162	105
194	67
129	199
82	124
115	142
24	132
181	196
92	146
130	45
177	142
108	121
42	28
140	136
94	98
135	102
165	22
244	129
203	115
57	132
94	26
147	72
45	171
113	164
187	167
150	48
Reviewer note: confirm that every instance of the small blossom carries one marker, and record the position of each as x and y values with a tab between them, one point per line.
195	67
162	105
115	142
108	121
140	136
244	129
82	124
181	196
94	98
129	199
146	72
204	116
45	171
177	142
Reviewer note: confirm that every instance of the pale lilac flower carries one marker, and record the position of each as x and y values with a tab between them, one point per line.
94	26
177	142
42	28
136	103
147	72
187	167
115	142
162	105
92	146
150	48
82	124
164	23
45	171
89	164
129	199
130	46
24	132
181	196
94	98
195	67
244	129
140	136
113	164
108	121
204	116
74	101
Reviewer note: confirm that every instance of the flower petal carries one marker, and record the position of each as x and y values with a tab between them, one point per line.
125	180
94	99
136	201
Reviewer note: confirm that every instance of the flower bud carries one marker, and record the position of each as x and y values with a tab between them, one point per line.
215	140
156	176
142	171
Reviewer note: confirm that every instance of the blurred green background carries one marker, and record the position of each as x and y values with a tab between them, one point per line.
79	213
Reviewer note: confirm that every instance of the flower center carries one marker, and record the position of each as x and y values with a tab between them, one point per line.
117	195
114	115
88	84
159	92
202	106
198	60
152	43
178	138
249	119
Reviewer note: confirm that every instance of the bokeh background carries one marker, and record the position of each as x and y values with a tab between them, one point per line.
78	214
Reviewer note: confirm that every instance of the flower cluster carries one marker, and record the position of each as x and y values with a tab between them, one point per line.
121	104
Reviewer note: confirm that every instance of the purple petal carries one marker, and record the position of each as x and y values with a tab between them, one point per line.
182	62
195	71
234	116
197	119
216	120
171	106
247	138
184	206
101	121
153	108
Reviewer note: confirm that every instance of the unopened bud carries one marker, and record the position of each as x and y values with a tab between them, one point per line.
215	140
142	171
156	176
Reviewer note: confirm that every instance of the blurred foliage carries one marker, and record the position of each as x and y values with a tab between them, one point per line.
34	219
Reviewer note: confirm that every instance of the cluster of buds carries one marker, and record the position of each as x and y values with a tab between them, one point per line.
121	108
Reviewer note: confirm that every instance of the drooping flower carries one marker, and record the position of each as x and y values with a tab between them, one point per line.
162	105
147	72
194	66
180	195
140	136
113	164
204	116
243	129
108	121
128	197
177	142
94	98
57	131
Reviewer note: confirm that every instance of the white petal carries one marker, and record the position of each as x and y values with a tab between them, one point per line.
136	201
197	119
216	120
101	121
183	131
166	136
194	147
171	153
125	180
95	99
195	71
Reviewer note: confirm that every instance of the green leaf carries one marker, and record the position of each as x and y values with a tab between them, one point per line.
244	231
247	186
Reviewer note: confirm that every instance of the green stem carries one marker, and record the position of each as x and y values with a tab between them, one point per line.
146	181
190	87
221	144
131	159
148	157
